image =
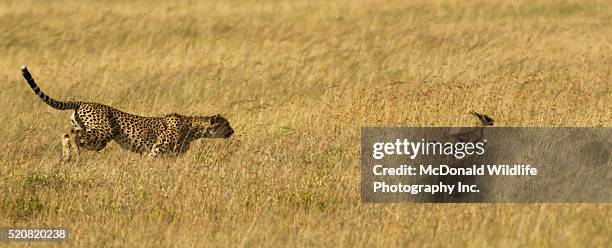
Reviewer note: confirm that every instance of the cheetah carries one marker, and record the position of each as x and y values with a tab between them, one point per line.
95	124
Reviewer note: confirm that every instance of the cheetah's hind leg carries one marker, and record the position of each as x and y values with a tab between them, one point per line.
66	147
69	147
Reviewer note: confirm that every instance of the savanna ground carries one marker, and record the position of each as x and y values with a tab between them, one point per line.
297	80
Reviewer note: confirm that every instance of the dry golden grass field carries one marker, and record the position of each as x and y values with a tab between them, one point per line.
297	80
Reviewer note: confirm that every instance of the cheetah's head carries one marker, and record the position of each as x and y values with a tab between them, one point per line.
215	126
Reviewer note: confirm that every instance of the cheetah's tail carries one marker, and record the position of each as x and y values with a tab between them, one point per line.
48	100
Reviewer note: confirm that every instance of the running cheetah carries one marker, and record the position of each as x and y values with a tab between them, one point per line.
94	125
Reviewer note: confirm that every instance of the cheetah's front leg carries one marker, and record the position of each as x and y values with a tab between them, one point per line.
164	143
157	150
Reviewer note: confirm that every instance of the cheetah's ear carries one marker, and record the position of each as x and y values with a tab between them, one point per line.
214	119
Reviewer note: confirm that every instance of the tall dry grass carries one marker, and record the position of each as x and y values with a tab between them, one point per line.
297	79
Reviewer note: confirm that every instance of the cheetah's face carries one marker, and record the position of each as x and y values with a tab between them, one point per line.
215	126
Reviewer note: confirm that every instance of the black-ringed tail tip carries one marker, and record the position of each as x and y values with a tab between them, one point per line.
25	72
484	119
